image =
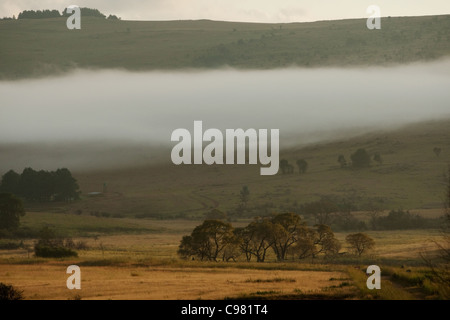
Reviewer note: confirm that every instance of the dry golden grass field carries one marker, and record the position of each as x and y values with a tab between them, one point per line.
133	231
146	266
162	283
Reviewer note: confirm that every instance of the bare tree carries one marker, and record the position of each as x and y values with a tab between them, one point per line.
360	242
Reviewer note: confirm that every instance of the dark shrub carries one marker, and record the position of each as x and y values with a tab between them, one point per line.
53	252
8	292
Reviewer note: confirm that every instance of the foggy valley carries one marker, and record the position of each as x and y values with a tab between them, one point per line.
325	148
106	118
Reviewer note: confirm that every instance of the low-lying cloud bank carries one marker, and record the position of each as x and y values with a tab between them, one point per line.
307	105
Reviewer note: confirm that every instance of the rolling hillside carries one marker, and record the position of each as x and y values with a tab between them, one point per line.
410	177
33	48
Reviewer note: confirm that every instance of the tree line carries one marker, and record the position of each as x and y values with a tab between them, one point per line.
42	186
359	159
284	235
333	211
338	214
47	14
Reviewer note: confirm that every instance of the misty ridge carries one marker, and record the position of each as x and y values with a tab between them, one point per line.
89	119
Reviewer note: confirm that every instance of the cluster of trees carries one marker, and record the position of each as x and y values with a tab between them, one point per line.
283	234
338	215
86	12
401	220
359	159
287	168
38	14
46	14
333	213
48	244
41	185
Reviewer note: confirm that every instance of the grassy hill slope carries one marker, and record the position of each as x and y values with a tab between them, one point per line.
410	177
32	47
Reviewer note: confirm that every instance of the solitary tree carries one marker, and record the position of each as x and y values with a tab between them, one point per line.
360	242
302	165
244	195
360	159
11	209
377	158
342	161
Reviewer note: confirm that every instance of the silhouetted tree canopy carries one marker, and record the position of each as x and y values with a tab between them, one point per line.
284	233
322	210
113	17
11	209
360	159
46	14
49	245
286	167
360	243
86	12
207	241
9	292
10	182
342	161
41	185
401	220
38	14
302	165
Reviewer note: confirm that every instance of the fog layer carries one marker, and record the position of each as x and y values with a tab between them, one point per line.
307	105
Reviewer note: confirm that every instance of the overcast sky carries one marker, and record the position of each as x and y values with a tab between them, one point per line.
237	10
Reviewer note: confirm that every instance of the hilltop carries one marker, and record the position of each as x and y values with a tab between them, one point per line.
37	47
